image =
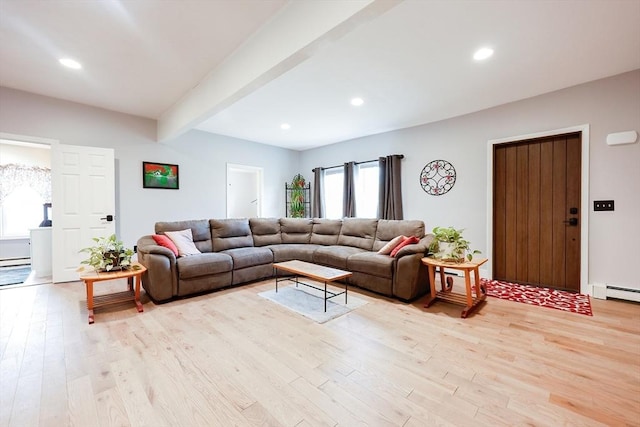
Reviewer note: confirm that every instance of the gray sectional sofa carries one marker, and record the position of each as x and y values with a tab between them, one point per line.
236	251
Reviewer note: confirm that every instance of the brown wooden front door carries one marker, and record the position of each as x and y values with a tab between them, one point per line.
536	211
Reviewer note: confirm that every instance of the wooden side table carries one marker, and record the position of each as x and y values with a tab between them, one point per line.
132	274
468	300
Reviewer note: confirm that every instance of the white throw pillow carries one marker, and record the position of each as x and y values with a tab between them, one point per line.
386	249
183	240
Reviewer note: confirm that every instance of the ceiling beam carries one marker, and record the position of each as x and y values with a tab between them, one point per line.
294	34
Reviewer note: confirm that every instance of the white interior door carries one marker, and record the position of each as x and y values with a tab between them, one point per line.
244	191
83	204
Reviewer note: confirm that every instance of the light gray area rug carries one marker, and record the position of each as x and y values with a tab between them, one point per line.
310	302
14	274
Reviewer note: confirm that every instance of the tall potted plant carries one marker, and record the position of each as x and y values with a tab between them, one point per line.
296	197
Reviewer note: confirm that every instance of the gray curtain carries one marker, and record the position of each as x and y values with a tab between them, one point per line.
317	204
390	193
348	194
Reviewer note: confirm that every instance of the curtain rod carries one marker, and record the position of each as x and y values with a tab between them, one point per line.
358	163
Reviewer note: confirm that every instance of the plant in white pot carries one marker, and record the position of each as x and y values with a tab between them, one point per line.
449	245
108	254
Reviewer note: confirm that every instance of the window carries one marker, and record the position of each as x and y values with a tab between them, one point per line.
24	188
366	191
367	183
333	190
20	211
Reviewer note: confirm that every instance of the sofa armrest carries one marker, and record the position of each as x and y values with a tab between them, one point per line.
410	280
156	249
160	280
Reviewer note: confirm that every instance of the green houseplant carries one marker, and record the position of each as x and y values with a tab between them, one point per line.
449	245
108	254
296	197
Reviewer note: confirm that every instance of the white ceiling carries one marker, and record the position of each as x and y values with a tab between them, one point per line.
139	57
411	62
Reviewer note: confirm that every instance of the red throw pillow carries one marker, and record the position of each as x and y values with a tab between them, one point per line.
166	242
408	241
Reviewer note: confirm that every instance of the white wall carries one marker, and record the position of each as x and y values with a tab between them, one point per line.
608	105
21	155
202	158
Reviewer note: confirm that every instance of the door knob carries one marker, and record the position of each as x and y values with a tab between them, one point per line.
572	221
109	218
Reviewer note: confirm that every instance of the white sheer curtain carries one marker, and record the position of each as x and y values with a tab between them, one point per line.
13	176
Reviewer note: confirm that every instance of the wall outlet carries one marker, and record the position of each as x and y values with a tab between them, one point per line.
603	205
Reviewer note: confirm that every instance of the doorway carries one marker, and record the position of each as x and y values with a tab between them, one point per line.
25	193
538	199
538	210
244	191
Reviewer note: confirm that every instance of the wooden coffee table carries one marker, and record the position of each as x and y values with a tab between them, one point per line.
132	274
468	299
315	272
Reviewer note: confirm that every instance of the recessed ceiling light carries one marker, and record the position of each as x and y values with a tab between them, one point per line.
68	62
357	102
285	126
482	53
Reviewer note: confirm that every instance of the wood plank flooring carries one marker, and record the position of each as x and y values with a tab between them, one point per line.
232	358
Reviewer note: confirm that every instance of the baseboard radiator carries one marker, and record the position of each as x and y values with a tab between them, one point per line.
8	262
618	292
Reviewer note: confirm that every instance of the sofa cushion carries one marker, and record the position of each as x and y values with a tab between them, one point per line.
335	256
390	228
230	234
295	230
205	264
249	257
372	263
291	251
325	231
358	232
199	230
265	231
183	241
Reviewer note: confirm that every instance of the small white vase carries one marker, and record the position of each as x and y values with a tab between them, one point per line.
447	252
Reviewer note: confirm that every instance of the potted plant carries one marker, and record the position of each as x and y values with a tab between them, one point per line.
108	254
449	245
296	197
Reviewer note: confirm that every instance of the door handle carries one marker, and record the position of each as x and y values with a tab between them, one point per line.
109	218
572	222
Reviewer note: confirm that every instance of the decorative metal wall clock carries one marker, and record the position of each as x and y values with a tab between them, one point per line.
438	177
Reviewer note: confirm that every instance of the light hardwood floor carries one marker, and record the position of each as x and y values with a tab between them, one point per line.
233	358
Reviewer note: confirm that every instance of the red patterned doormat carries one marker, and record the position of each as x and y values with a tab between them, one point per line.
544	297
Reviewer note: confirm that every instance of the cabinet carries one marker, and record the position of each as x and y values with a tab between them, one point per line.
40	245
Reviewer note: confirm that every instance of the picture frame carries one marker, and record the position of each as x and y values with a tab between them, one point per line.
160	175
